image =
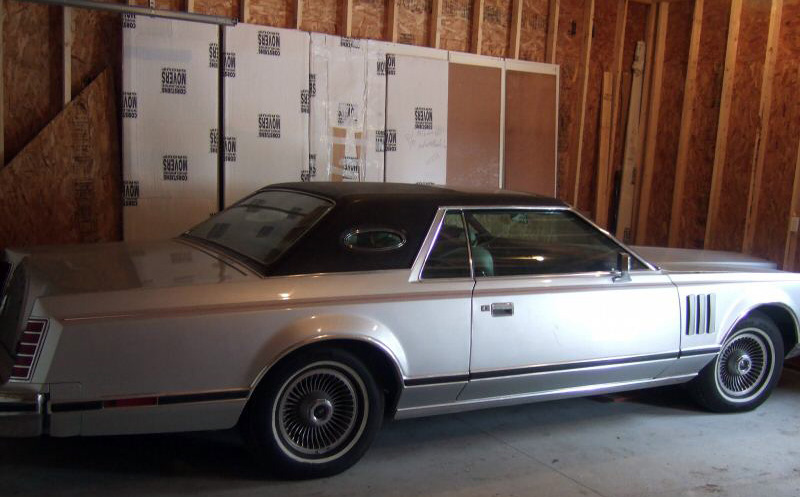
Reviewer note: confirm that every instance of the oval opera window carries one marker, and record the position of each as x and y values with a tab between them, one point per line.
373	239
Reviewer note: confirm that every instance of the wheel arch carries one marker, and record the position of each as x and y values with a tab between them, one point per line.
379	358
783	317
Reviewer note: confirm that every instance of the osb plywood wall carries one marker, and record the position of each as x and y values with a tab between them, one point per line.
725	144
51	195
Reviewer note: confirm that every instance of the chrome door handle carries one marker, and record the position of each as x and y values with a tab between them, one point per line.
500	309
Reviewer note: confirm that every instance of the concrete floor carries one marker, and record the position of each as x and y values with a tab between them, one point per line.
651	443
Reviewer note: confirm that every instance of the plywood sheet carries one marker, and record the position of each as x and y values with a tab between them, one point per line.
744	124
456	25
369	19
96	45
64	186
414	22
277	13
31	71
496	25
568	56
634	32
705	117
782	141
473	126
600	61
227	8
533	34
321	16
530	132
669	121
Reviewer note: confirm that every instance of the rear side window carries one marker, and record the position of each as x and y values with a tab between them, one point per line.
373	239
263	226
450	256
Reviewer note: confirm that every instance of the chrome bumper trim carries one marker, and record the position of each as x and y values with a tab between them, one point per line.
21	416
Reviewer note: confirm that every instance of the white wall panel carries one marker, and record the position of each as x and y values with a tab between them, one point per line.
266	107
170	100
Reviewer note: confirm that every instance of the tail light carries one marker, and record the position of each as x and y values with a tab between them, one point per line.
28	348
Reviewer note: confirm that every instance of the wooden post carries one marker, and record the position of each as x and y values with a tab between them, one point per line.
603	159
391	20
793	223
763	132
552	32
687	115
2	89
477	27
189	5
790	252
652	122
244	10
721	145
347	24
583	77
630	167
619	51
66	55
436	23
649	57
298	13
516	29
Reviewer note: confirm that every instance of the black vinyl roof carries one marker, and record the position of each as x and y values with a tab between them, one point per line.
407	208
425	195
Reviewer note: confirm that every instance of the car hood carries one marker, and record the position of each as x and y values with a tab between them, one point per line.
71	269
690	260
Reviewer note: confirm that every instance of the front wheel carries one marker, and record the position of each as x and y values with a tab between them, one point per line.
746	370
316	414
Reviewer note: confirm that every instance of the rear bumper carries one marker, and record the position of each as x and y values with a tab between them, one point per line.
21	415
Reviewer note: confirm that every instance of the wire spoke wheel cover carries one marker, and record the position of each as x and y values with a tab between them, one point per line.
319	412
745	365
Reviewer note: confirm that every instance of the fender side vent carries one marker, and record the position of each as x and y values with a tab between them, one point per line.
700	314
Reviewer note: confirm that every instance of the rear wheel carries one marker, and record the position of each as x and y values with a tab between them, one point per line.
316	414
746	370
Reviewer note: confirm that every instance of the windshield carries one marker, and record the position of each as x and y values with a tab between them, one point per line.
263	226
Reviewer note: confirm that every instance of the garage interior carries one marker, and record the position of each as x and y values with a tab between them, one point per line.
670	123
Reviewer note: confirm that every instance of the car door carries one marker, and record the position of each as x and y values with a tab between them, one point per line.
551	311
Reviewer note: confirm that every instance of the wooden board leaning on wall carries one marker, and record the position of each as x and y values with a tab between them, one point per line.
73	164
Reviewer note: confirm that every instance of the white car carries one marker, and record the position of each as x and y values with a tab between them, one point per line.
308	313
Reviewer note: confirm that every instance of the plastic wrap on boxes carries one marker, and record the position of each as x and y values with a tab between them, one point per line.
169	104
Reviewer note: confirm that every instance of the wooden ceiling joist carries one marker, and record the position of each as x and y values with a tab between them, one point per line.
723	123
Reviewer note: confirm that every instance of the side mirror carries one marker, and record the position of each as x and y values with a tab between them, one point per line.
623	269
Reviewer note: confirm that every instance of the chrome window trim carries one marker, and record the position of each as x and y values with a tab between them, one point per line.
433	233
427	247
357	231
